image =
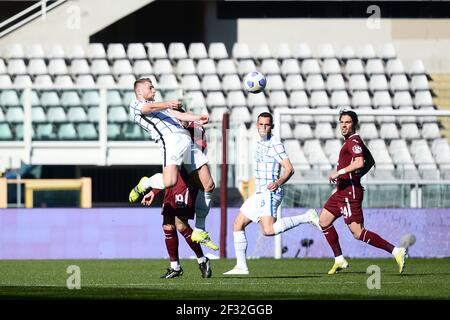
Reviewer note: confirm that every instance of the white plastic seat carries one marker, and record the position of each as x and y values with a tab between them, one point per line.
294	82
358	82
2	67
431	131
402	99
91	98
335	82
14	51
126	80
217	113
354	66
368	131
241	51
407	119
197	50
16	66
76	51
76	114
43	80
162	66
156	50
55	51
35	101
274	82
315	82
374	66
386	119
395	66
400	153
299	99
378	82
441	151
339	99
236	99
190	82
168	82
36	67
56	115
315	155
100	67
196	99
319	99
286	131
367	52
38	115
331	67
326	51
50	99
206	66
302	51
324	130
226	66
310	66
105	80
423	99
231	82
79	66
419	82
96	51
270	66
422	155
399	82
278	99
67	131
70	99
361	99
215	99
246	66
117	114
85	80
382	98
9	98
136	51
381	155
263	51
257	110
296	155
122	66
409	131
177	51
418	68
217	51
185	66
324	118
113	98
23	80
282	51
290	66
211	82
141	67
303	131
240	114
57	67
5	80
332	148
388	52
389	131
116	51
347	53
63	81
255	100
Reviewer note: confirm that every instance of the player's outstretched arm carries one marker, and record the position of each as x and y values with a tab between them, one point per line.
158	106
186	116
287	174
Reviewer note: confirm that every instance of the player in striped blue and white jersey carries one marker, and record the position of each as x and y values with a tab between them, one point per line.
163	120
270	157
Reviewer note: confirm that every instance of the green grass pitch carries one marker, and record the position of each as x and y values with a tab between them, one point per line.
269	279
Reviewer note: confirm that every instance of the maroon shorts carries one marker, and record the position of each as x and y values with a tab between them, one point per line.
347	202
170	211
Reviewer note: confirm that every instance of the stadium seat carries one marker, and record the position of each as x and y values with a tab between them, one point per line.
114	131
241	51
9	98
168	82
296	155
263	51
56	115
5	80
70	99
361	99
197	51
206	66
63	81
211	82
156	50
354	66
100	67
132	132
16	66
274	82
290	66
117	114
116	51
190	82
323	131
423	99
14	51
127	97
196	99
431	131
217	113
324	118
96	51
43	80
66	131
382	99
315	155
388	52
419	82
45	131
79	66
409	131
240	114
126	80
35	51
162	66
417	68
50	99
2	67
76	114
286	131
37	115
87	131
302	51
215	99
347	53
177	51
381	155
106	80
256	100
136	51
368	131
367	52
246	66
94	114
226	67
388	131
85	80
37	66
374	66
326	51
121	66
303	131
90	98
378	82
299	99
278	99
142	67
335	82
57	67
76	51
407	119
402	99
231	82
331	67
270	66
310	66
394	66
332	148
217	51
319	99
282	51
23	80
236	99
294	82
399	82
340	99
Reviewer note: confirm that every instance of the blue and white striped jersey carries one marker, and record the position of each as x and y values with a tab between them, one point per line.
158	124
269	153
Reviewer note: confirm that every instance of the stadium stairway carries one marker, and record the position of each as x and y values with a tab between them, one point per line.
441	87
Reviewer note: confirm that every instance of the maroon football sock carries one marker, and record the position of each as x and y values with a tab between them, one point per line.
375	240
171	239
333	239
194	245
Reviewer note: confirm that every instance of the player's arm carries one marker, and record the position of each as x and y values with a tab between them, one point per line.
369	162
357	164
147	108
287	174
186	116
147	200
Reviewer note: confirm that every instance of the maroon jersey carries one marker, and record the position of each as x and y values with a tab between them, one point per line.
197	133
352	148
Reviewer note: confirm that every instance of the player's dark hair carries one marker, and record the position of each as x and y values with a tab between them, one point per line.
351	114
266	115
142	80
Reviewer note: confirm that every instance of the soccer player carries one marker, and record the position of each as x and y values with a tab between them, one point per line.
164	120
262	206
355	160
177	209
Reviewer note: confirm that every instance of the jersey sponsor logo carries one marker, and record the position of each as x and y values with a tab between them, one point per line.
357	149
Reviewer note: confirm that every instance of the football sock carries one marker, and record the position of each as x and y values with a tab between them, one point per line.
171	239
333	239
240	247
375	240
175	265
155	182
286	223
202	205
194	245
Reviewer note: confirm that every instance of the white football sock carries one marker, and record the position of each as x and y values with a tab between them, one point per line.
286	223
240	247
339	259
175	265
395	251
202	205
201	260
154	182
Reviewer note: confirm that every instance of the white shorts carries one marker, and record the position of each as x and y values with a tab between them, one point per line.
179	149
262	204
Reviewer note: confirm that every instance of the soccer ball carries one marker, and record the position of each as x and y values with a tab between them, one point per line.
254	82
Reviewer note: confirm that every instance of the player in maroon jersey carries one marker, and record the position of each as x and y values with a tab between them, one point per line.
178	208
355	160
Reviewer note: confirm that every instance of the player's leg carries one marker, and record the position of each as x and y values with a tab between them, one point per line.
372	238
171	240
185	229
240	244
